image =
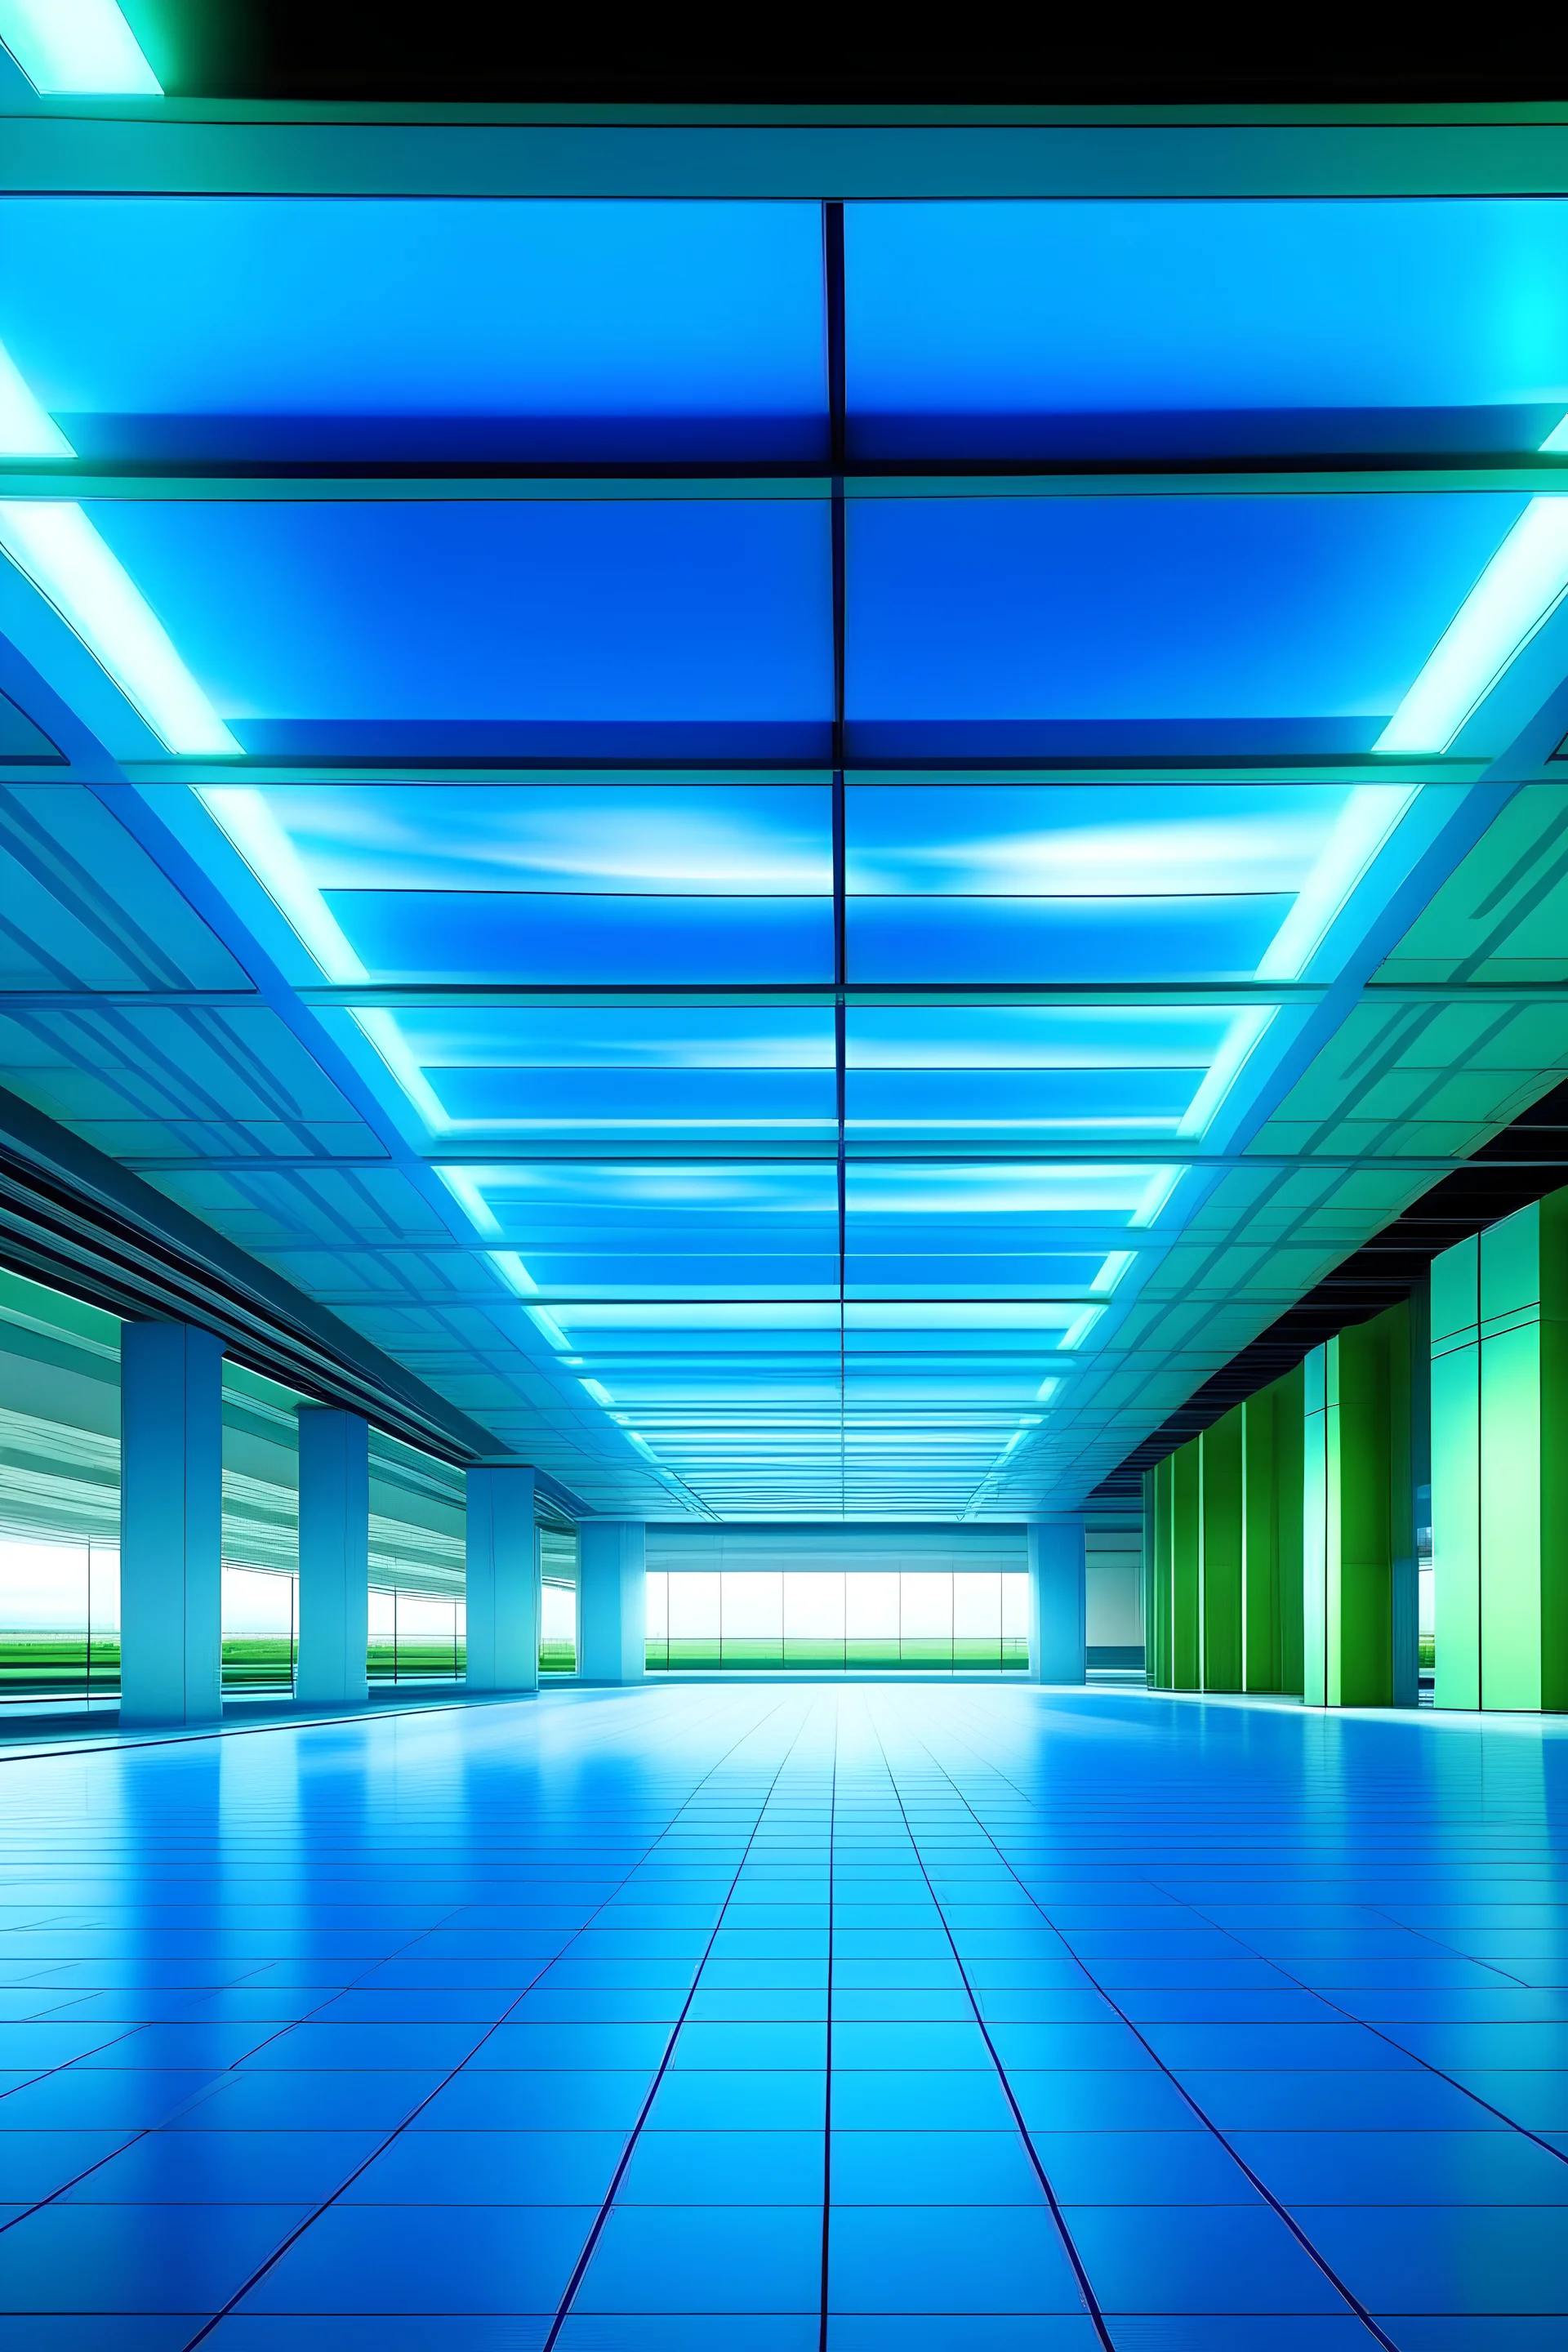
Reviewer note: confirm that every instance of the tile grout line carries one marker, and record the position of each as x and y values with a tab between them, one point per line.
600	2219
1370	2025
223	2076
1080	2273
261	2269
1351	2301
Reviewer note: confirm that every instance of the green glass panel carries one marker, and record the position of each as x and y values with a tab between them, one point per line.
1289	1441
1457	1518
1260	1663
1220	1578
1187	1501
1510	1453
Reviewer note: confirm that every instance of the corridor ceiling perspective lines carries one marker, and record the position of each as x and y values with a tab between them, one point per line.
811	854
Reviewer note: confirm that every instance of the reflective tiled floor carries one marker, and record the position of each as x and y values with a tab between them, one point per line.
1102	2019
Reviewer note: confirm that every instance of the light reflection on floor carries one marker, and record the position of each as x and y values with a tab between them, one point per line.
1101	2019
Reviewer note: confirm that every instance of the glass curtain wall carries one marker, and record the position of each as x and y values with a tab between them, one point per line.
59	1499
818	1620
557	1600
59	1523
418	1629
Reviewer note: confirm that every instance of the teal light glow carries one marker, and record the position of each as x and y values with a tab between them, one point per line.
1243	1034
76	46
55	547
1156	1193
1365	821
26	429
1518	590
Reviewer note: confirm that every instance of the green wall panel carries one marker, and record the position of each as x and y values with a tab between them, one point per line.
1224	1550
1499	1482
1271	1537
1357	1516
1220	1459
1187	1541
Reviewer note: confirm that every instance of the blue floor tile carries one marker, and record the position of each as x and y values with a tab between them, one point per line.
763	2331
720	2168
1142	2167
366	2259
1197	2258
932	2167
490	2167
35	2164
1441	2259
539	1870
1413	2167
390	2332
709	2102
926	2258
137	2258
735	2259
267	2168
95	2332
968	2332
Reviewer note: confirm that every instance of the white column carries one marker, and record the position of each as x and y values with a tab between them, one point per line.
612	1601
171	1532
1056	1653
502	1581
334	1556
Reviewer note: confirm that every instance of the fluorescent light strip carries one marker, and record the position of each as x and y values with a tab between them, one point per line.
1518	591
518	1275
1365	824
382	1029
79	45
1242	1035
1161	1186
278	865
462	1187
55	546
547	1323
26	428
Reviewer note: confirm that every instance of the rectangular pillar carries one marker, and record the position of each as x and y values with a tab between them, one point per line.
503	1580
1186	1549
1500	1482
1271	1441
171	1523
334	1556
1150	1581
612	1601
1056	1643
1220	1553
1162	1485
1358	1510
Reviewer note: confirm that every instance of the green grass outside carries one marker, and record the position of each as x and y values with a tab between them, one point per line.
56	1666
685	1656
258	1662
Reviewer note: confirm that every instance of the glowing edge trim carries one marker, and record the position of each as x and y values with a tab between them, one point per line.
1516	594
53	544
81	47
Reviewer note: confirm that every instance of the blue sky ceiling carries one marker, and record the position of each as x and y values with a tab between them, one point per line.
761	985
